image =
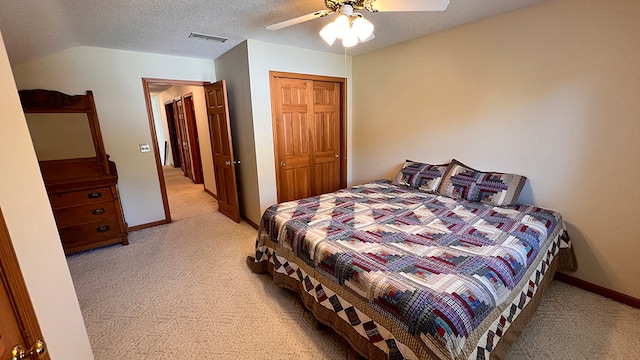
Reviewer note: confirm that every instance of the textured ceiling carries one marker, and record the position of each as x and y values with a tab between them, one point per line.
34	28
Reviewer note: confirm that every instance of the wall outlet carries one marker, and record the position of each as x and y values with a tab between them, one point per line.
145	148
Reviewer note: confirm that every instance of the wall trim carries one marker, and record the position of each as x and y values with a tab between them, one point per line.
148	225
254	225
211	193
597	289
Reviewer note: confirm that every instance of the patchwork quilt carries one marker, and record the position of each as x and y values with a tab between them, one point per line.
445	272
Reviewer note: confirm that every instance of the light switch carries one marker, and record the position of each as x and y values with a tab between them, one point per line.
145	148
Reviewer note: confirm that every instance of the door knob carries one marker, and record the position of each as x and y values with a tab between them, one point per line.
282	163
337	156
227	163
38	349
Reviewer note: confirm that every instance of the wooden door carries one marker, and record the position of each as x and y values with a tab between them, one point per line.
326	137
192	134
173	134
293	138
309	134
222	149
18	324
187	166
179	134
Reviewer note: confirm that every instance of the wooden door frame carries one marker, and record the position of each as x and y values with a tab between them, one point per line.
343	118
146	82
13	280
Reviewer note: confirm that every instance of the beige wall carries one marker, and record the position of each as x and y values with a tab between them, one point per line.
202	127
33	231
246	69
262	58
115	77
550	92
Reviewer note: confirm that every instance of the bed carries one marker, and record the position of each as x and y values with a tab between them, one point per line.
438	263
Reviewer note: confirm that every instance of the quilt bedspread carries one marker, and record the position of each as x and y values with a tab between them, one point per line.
435	265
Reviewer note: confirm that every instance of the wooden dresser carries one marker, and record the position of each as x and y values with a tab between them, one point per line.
83	190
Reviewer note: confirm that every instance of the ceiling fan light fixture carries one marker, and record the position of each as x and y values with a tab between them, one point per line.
350	39
342	25
329	34
363	28
351	27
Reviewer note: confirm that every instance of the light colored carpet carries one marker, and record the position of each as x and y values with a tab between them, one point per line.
183	291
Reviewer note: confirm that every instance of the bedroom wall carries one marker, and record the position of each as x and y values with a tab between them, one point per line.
246	70
233	67
202	127
33	231
115	77
549	91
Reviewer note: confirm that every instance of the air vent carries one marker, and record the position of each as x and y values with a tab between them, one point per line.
207	37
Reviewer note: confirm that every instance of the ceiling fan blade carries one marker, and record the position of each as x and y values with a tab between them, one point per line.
299	19
410	5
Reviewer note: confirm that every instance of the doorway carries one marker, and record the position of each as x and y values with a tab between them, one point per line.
190	97
182	129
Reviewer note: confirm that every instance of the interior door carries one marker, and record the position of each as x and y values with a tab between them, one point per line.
222	148
173	134
187	166
180	135
293	138
309	132
18	324
326	137
194	143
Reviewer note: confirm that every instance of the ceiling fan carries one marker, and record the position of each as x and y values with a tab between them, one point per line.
350	26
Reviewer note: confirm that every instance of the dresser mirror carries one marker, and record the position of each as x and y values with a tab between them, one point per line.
66	133
80	179
58	136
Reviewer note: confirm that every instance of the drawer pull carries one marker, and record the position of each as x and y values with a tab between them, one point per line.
99	211
102	229
94	195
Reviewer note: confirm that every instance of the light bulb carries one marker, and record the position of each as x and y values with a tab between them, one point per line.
371	37
328	33
341	25
350	38
363	28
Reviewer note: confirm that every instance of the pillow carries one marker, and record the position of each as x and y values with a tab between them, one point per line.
463	182
421	176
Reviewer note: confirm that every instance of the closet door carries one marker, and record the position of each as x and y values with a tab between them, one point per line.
293	137
325	137
308	126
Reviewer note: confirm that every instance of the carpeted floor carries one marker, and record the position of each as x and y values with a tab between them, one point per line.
183	291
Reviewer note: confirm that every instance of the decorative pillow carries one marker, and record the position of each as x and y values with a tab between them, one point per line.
421	176
430	177
463	182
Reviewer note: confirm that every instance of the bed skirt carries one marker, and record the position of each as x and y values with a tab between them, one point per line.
374	337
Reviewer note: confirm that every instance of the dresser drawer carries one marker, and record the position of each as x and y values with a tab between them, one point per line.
87	233
75	215
80	197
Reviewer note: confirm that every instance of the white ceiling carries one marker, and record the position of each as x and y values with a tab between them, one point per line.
33	28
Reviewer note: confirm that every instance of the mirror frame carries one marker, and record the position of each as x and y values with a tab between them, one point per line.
51	101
